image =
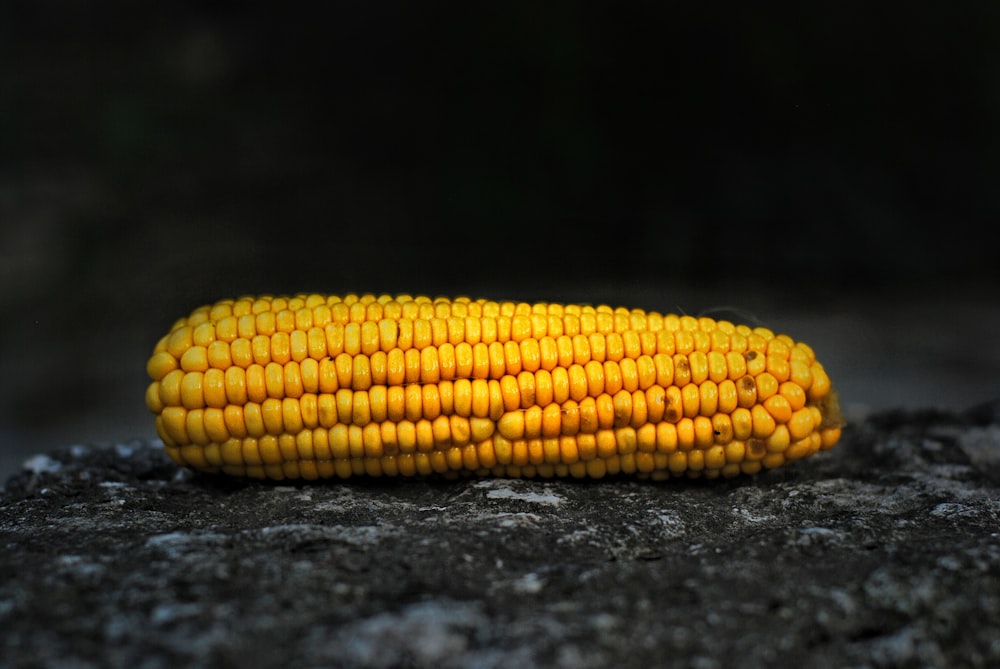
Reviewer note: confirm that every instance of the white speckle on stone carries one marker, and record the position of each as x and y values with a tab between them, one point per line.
523	491
953	510
746	515
817	536
513	519
360	535
668	523
424	634
950	563
907	646
164	614
168	540
175	544
530	497
41	464
847	604
529	584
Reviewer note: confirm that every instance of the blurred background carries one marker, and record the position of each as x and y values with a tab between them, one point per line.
830	172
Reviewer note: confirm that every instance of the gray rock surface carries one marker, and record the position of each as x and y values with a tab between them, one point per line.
883	552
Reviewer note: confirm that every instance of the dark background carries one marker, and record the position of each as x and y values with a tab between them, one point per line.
829	170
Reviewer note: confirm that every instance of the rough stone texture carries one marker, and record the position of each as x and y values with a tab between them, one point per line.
883	552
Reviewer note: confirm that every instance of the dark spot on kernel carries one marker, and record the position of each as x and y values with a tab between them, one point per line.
747	384
756	448
682	365
750	355
671	414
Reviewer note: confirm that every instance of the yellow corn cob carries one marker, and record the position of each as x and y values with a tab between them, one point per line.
316	386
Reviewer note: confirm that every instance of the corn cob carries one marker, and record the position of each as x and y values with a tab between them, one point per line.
315	386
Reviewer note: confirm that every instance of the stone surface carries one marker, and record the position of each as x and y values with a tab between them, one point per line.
883	552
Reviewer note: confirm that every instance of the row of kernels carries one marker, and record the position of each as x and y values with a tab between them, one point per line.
318	448
349	443
217	388
637	319
244	458
358	307
625	436
367	307
297	340
507	326
309	310
490	400
261	303
486	398
448	362
194	350
440	463
302	456
378	333
178	426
